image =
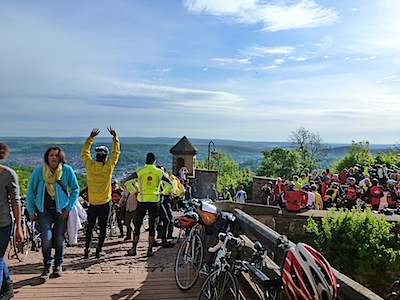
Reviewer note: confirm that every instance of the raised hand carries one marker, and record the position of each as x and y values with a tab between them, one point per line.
112	131
94	132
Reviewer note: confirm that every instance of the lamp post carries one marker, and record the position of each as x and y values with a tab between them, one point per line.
213	153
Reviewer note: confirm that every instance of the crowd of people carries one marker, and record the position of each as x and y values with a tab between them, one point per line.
53	193
352	186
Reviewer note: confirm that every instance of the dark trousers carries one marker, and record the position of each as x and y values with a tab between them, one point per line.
165	226
99	214
141	210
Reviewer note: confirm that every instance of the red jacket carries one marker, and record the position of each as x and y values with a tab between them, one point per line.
376	194
295	200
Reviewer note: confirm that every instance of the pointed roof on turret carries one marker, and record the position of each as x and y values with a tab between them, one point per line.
184	146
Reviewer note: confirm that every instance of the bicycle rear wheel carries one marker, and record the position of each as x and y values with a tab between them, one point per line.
189	261
219	285
21	249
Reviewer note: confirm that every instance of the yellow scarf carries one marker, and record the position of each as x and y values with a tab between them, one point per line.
51	178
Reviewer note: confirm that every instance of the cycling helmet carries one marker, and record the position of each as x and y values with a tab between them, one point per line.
101	153
307	275
188	219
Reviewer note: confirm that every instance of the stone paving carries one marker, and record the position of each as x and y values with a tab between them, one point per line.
117	276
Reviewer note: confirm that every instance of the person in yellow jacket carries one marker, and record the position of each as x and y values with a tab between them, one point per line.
149	179
99	176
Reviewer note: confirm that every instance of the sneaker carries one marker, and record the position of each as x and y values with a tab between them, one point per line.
167	244
45	274
150	252
58	272
87	253
100	253
7	291
132	252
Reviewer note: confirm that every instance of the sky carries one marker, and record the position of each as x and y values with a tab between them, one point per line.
242	70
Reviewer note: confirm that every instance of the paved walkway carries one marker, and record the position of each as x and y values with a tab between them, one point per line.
116	276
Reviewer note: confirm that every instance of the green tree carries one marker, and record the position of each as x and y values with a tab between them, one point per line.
359	153
359	244
23	177
229	172
313	151
279	162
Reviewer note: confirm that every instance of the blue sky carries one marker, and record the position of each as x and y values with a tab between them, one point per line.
219	69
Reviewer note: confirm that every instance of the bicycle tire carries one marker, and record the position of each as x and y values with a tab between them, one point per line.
189	261
21	249
392	296
395	286
219	285
34	234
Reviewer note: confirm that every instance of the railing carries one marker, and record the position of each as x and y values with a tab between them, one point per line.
255	230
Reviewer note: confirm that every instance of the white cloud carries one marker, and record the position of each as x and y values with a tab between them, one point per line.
282	15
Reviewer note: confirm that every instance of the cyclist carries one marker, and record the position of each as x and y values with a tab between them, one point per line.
9	191
149	180
99	173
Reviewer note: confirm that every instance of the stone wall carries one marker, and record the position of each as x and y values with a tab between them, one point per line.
203	181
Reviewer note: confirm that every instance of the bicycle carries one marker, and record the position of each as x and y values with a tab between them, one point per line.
19	249
269	289
394	291
189	258
221	282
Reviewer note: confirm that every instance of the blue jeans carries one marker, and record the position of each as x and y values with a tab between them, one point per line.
4	240
52	229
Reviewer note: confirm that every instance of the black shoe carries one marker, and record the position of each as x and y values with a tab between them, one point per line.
58	272
132	251
171	237
87	253
121	235
100	253
150	252
156	244
167	244
147	229
127	238
45	274
7	291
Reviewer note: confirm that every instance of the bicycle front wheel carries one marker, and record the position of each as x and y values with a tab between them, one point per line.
219	286
21	249
189	261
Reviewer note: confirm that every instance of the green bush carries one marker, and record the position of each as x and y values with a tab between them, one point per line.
359	244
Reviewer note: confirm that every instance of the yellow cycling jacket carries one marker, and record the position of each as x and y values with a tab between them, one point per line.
149	180
99	175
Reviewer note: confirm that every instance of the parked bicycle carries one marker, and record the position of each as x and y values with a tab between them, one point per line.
20	250
305	274
394	291
189	258
221	282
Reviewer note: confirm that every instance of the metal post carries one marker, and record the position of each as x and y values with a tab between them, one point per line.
209	153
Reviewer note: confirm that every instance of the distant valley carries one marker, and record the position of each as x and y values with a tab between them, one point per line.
29	151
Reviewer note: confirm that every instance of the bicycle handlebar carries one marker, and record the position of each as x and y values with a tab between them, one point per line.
223	239
216	247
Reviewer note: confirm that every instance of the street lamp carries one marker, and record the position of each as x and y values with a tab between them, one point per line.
213	153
